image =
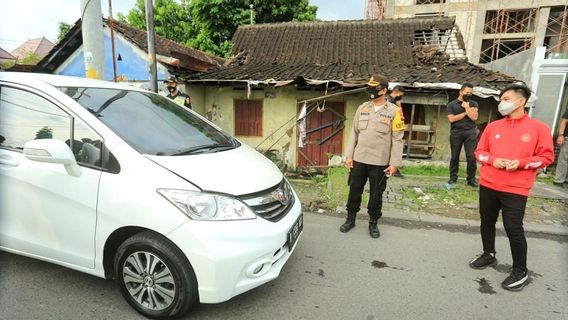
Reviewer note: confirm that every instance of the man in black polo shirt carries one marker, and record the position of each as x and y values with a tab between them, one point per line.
462	114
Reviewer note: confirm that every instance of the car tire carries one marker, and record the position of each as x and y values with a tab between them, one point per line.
155	276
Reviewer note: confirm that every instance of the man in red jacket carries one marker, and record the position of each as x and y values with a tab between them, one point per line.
510	151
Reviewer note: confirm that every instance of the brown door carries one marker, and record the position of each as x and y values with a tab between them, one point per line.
324	136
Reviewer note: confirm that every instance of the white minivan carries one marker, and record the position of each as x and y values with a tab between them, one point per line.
123	183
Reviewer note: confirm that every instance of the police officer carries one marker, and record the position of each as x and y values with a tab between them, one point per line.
395	97
374	152
174	93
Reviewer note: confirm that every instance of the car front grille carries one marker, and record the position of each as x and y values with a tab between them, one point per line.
271	204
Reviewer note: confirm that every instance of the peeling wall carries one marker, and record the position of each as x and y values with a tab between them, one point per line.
280	112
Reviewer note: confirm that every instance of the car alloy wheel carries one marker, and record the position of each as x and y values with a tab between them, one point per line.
154	276
149	280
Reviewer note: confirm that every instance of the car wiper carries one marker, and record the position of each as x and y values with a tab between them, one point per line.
210	147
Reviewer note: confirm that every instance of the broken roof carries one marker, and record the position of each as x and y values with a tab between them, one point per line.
169	52
407	51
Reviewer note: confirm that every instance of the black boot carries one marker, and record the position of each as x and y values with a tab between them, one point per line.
373	229
349	223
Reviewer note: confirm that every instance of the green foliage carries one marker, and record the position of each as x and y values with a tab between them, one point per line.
209	25
30	58
217	20
171	19
6	65
62	30
44	133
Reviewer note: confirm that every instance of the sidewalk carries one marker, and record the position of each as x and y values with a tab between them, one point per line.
548	218
550	229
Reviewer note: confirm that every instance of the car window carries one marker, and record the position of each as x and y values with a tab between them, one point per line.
25	116
90	151
150	123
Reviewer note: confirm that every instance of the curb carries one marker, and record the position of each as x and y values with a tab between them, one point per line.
557	230
553	230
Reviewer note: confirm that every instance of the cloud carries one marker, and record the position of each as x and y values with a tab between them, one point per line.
22	20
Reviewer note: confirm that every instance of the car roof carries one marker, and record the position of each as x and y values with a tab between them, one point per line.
62	81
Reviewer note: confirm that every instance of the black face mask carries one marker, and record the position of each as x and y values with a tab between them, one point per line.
466	97
397	98
171	89
374	93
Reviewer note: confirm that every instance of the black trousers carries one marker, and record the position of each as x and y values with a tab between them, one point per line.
467	139
378	183
512	208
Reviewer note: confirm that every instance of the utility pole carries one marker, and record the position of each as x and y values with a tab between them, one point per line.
111	26
93	39
251	6
151	46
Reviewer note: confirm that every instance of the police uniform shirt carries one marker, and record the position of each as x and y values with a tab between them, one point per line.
376	135
180	99
455	107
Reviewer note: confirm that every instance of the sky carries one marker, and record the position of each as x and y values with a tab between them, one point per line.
21	20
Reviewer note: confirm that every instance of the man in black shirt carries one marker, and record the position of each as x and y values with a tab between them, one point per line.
462	114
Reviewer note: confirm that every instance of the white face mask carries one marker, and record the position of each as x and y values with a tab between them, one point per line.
507	107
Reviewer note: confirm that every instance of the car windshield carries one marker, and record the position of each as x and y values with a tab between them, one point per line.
150	123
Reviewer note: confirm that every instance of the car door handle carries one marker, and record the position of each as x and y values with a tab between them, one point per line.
8	162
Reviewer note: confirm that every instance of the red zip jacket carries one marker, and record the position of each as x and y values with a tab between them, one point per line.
524	139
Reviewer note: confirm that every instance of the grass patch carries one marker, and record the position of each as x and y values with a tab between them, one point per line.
428	170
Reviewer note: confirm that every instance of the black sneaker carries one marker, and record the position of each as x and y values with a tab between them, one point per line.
484	260
516	281
452	181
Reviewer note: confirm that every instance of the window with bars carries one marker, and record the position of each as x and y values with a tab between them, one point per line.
248	118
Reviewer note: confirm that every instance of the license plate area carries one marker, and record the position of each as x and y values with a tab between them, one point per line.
295	232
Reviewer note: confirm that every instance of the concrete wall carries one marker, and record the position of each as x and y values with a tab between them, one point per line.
546	77
133	67
520	65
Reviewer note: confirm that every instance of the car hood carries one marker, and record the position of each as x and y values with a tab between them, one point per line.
238	171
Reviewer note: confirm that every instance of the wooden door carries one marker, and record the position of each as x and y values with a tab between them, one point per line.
324	136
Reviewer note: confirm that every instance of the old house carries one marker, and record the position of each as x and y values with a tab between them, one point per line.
275	67
131	58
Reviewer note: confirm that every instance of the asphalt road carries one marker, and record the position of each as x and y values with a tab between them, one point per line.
409	273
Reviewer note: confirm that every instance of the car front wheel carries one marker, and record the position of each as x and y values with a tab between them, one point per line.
154	276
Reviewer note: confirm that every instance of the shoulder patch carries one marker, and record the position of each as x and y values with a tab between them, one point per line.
398	121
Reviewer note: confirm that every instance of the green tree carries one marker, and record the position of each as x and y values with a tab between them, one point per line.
171	19
209	25
62	30
44	133
215	21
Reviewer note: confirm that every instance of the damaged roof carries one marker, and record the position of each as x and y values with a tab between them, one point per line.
405	50
175	55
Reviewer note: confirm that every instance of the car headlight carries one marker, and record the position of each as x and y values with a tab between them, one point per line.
208	206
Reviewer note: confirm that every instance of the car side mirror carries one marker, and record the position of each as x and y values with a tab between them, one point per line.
52	151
